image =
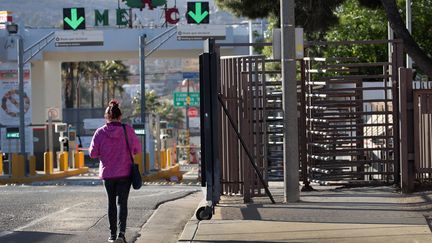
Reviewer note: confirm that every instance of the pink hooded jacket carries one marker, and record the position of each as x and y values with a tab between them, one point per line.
109	146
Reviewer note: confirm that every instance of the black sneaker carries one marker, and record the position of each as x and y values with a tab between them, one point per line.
112	238
121	238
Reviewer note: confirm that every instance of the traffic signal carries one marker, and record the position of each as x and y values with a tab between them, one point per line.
74	19
198	13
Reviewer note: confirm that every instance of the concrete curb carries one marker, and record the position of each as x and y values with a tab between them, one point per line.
167	222
189	230
191	227
44	177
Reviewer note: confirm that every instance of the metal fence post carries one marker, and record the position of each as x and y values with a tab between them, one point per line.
406	130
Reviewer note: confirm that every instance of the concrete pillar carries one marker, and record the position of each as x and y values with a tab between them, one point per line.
38	91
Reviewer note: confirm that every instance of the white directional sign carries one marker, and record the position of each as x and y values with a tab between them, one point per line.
79	38
200	32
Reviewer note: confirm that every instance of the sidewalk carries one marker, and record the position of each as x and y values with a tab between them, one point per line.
166	223
369	214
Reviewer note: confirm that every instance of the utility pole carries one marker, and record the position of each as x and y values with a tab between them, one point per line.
408	26
289	106
20	50
188	149
142	43
250	37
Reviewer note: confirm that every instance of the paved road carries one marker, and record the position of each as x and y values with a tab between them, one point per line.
73	213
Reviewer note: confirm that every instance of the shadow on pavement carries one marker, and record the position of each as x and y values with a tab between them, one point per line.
241	241
70	182
32	236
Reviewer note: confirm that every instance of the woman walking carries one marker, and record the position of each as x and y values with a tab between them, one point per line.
109	146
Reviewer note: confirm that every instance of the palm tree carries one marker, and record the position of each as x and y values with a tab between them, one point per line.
114	75
171	114
151	102
68	73
92	73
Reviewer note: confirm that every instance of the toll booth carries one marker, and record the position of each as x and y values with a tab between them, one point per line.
13	140
141	133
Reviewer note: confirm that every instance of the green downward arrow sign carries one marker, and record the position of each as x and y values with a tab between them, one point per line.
198	16
74	21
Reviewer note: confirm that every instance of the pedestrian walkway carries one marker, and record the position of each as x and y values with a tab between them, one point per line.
166	223
369	214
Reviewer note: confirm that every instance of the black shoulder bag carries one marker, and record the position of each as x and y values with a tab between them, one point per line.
135	174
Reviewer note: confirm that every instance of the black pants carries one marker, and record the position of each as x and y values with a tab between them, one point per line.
117	188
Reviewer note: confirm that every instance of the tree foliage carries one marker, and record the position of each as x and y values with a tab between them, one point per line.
420	57
317	16
358	23
105	76
164	109
312	15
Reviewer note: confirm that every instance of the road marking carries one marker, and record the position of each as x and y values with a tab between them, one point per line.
45	217
148	195
5	233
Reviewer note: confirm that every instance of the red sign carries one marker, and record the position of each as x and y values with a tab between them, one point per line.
192	112
5	16
172	15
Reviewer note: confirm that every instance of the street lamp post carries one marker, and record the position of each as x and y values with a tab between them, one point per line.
409	27
142	44
187	121
20	51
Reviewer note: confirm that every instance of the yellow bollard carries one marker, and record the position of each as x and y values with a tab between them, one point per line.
147	162
64	161
163	160
1	163
48	163
79	159
137	160
32	165
18	169
168	157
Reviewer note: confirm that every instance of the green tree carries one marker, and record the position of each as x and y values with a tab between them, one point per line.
165	109
114	75
92	75
313	15
151	102
358	23
317	16
68	75
174	116
420	57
